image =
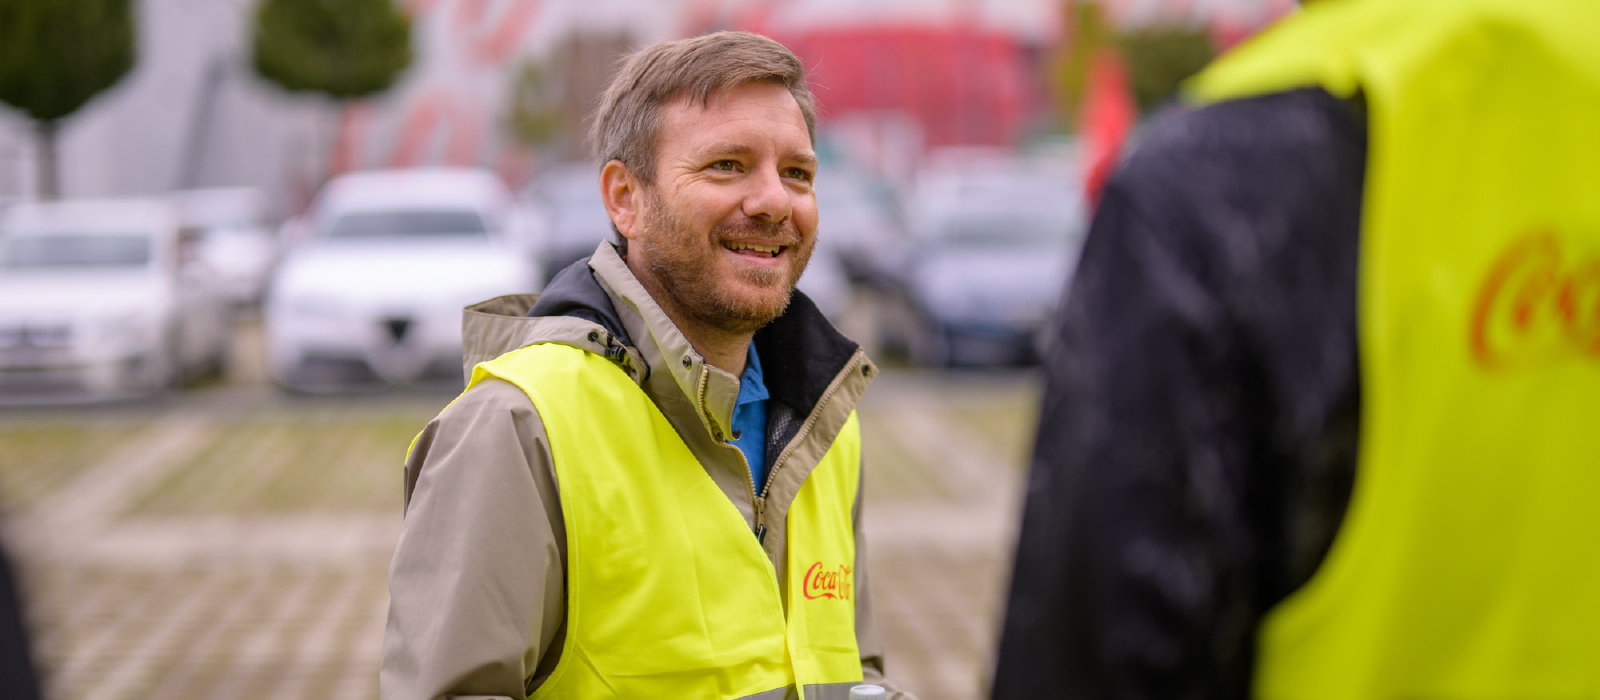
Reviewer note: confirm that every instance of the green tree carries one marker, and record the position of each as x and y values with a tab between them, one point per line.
535	117
56	55
1087	33
345	49
1160	58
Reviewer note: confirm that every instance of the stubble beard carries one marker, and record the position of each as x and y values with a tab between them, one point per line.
689	278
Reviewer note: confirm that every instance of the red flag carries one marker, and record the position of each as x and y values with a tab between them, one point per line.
1107	116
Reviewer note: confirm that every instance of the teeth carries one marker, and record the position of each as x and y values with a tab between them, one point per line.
768	249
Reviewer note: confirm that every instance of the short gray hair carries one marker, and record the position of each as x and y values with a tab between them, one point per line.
627	125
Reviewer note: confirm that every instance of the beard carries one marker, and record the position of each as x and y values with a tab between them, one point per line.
689	273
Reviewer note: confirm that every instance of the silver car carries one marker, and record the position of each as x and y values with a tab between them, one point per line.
375	295
98	300
985	269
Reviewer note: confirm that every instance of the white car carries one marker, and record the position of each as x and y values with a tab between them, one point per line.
97	301
230	234
566	198
390	257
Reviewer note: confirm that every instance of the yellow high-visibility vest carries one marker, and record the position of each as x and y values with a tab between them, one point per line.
669	593
1468	565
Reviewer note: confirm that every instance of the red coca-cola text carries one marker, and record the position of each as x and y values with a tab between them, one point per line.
834	583
1531	289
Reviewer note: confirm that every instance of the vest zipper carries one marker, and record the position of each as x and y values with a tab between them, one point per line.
805	428
761	527
759	499
756	499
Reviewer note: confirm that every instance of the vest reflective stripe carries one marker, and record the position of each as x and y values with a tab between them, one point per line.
1468	565
669	594
829	691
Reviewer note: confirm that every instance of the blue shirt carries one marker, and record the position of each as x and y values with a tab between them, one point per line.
750	419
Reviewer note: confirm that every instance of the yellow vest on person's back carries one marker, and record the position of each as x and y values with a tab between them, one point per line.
1468	565
669	594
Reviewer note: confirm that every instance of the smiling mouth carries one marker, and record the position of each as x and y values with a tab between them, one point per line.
756	249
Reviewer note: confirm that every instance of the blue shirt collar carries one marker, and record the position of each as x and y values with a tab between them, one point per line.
752	386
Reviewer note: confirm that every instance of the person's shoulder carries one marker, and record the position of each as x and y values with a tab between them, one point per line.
1307	117
1244	142
1228	169
490	396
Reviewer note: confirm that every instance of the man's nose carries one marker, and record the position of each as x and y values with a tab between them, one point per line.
768	199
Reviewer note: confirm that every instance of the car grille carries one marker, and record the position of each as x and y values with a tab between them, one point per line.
36	335
34	344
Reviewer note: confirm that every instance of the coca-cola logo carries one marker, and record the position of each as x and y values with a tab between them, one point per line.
836	582
1536	305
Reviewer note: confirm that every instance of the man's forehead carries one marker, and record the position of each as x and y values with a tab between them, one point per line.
686	107
687	103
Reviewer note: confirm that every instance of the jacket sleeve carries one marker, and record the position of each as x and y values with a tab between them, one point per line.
1197	434
867	639
477	586
1133	569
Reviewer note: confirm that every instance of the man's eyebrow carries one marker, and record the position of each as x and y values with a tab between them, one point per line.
729	148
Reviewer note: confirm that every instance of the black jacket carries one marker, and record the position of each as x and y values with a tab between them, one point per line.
1197	438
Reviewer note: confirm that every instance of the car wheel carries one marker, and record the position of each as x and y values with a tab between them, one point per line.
897	324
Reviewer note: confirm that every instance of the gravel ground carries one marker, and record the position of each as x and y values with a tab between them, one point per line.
232	542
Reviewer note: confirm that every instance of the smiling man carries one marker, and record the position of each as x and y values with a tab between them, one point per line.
651	486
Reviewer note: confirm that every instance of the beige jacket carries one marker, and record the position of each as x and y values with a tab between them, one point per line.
477	586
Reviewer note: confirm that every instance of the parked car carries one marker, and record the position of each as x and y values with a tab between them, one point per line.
860	224
984	272
98	300
392	257
827	284
572	218
228	230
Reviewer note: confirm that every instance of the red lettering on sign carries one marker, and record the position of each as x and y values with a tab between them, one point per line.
830	583
1531	290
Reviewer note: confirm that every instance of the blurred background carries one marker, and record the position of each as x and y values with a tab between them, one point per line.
235	237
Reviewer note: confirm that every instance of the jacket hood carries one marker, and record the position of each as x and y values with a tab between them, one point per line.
574	309
575	292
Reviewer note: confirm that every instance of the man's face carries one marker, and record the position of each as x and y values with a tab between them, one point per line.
728	226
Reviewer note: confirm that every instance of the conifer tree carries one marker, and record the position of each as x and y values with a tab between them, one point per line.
56	55
344	49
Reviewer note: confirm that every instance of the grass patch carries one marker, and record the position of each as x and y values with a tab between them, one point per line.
894	472
38	458
307	463
1005	425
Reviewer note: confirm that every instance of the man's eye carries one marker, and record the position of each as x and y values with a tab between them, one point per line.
798	174
725	165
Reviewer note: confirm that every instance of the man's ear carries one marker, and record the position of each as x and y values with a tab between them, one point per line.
621	194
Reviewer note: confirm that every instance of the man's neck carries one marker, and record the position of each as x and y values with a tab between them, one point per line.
721	349
727	352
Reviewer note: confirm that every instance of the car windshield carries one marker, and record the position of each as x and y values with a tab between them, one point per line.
408	223
1002	230
97	250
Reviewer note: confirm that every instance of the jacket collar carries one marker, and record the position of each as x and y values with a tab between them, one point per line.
598	305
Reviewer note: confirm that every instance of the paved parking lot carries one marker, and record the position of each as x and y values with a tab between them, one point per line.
232	542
